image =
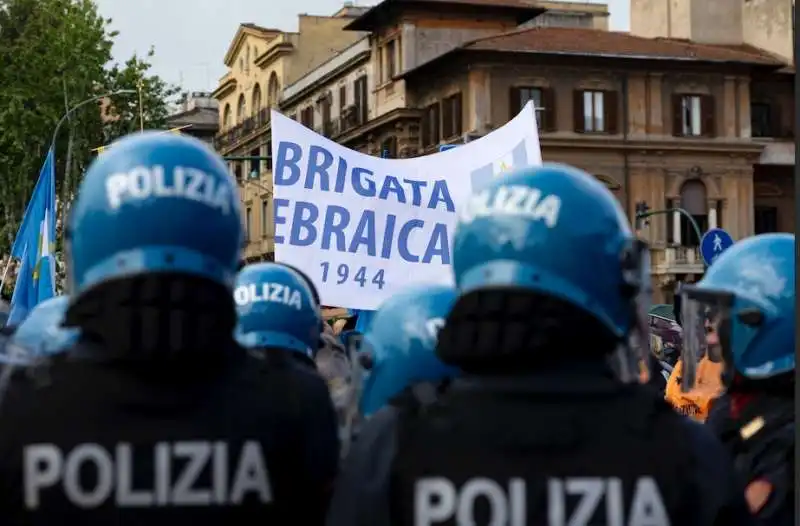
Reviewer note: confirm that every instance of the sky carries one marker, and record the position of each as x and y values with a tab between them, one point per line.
190	37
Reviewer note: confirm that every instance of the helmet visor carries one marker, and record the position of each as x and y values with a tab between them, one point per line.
706	317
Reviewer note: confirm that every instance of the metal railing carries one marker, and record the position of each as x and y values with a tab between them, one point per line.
249	125
678	260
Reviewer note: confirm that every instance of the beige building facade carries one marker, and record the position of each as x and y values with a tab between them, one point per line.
261	63
705	124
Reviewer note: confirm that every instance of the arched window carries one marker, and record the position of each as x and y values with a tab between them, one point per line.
226	117
694	199
240	110
256	99
273	90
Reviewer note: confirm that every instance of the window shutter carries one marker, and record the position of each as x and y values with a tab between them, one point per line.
436	124
611	111
447	118
577	111
426	127
458	115
775	127
513	102
709	125
548	116
677	115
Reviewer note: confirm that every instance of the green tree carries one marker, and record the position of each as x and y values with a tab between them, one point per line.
52	53
123	116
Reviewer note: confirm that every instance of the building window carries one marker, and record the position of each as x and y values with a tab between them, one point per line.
268	149
690	116
307	117
390	51
342	99
693	115
226	117
389	148
264	217
360	99
237	172
248	216
452	125
766	219
761	120
430	126
593	111
543	102
325	110
240	109
255	164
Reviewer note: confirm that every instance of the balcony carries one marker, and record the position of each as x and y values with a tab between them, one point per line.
351	118
676	260
259	249
229	138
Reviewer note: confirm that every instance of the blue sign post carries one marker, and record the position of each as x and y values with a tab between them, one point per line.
714	242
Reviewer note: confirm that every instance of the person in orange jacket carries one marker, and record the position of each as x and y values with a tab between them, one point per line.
696	404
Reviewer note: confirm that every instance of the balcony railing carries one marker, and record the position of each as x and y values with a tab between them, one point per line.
249	125
351	118
677	260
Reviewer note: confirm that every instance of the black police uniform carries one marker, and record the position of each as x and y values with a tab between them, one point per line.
543	449
759	431
214	438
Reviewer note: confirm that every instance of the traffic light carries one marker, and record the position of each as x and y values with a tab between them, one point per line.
642	210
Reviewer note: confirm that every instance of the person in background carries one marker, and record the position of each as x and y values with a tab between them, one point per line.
405	375
41	333
278	313
743	315
547	422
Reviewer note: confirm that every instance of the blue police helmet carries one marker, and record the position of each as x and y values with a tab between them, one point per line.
276	308
554	230
401	343
41	332
743	310
155	202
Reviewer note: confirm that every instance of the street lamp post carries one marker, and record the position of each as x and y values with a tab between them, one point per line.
78	106
643	212
65	118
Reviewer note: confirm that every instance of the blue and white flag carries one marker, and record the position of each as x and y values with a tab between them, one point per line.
517	157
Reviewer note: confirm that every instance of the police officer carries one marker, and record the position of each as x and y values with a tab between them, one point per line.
278	313
403	374
399	346
742	314
156	415
548	423
41	333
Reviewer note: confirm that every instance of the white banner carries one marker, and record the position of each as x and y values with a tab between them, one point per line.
362	227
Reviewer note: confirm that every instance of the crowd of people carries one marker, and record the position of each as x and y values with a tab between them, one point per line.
172	385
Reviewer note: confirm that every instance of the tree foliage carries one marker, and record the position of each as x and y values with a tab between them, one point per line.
53	55
123	115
